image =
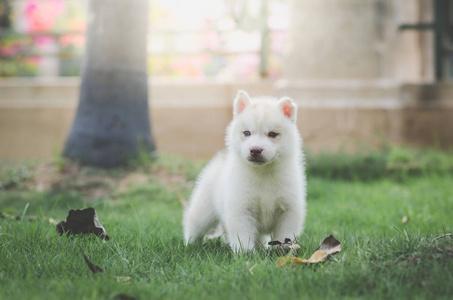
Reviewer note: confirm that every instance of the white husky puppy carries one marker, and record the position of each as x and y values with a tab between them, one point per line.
256	188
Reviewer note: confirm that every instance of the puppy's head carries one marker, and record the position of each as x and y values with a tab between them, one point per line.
263	130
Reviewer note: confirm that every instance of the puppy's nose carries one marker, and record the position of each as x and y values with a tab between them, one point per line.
255	151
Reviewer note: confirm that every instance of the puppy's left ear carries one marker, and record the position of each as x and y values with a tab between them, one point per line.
241	102
288	107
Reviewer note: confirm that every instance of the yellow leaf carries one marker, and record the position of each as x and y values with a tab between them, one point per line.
317	256
282	261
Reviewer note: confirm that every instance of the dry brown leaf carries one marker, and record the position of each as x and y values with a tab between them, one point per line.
82	221
328	247
53	221
18	218
93	267
285	247
317	256
282	261
123	297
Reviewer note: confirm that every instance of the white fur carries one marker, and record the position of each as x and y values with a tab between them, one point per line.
252	197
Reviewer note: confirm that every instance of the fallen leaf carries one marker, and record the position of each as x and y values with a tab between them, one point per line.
274	243
287	244
82	221
286	247
122	279
53	221
294	246
317	256
123	297
17	218
328	247
282	261
93	267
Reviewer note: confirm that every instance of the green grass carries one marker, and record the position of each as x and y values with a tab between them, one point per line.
381	257
393	162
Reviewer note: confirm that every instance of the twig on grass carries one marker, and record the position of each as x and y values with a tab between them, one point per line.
93	268
443	235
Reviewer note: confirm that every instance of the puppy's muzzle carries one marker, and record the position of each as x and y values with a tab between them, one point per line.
256	155
255	152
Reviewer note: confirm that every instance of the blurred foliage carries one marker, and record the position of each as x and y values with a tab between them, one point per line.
394	162
15	175
227	40
20	67
5	13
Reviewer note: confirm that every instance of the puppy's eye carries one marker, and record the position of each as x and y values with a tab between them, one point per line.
247	133
272	134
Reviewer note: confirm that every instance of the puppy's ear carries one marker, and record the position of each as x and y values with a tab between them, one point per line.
288	107
241	102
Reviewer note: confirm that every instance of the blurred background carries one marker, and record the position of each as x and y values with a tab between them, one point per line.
198	39
365	74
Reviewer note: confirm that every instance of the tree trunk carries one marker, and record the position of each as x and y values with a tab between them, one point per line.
112	121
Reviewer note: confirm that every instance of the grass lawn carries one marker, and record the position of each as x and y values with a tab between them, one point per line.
382	257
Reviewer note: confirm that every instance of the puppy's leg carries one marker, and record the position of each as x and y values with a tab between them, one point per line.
242	232
289	225
199	217
264	240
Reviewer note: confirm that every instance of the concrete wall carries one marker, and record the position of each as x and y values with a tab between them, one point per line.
357	39
189	118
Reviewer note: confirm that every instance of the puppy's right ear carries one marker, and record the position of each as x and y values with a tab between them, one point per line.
241	102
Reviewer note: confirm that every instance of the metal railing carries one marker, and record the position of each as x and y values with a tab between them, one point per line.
442	26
